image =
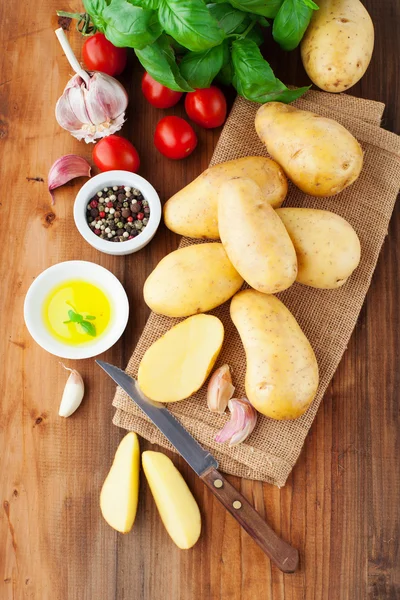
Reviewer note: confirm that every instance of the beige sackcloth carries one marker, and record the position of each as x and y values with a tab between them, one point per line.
327	317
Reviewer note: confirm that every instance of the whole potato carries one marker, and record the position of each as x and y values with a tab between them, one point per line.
327	247
338	44
191	280
318	154
254	237
281	370
193	211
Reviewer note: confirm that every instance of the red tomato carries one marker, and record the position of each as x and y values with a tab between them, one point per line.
114	152
101	55
157	94
174	137
206	107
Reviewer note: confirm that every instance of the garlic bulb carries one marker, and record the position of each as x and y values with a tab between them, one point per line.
73	393
242	422
93	104
94	110
220	389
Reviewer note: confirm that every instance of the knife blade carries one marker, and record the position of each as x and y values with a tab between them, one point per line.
205	465
199	459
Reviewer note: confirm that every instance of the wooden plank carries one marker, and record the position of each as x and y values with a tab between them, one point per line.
340	506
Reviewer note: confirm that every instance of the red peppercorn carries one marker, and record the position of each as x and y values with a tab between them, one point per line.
130	219
97	231
109	204
94	204
140	216
102	214
130	237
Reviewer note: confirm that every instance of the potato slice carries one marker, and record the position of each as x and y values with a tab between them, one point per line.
175	503
178	363
120	491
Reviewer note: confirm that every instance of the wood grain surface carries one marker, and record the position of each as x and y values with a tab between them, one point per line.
340	507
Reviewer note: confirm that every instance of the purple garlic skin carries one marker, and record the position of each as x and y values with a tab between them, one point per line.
94	111
241	424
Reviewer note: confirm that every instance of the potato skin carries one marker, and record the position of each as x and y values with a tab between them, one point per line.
337	46
318	154
327	247
254	237
193	211
191	280
282	371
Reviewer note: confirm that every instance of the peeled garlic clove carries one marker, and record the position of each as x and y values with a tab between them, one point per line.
241	424
73	394
106	99
220	389
66	168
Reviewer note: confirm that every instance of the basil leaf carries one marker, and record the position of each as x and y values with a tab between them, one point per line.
256	35
95	9
177	48
75	317
88	328
228	17
266	8
226	73
263	21
131	26
253	77
291	22
151	4
200	68
190	23
159	60
90	318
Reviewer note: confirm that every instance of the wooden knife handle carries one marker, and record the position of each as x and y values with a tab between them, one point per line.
281	553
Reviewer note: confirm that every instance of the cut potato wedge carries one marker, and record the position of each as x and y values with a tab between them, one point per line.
178	363
120	491
174	500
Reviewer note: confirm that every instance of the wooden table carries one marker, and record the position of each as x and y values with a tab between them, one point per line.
340	506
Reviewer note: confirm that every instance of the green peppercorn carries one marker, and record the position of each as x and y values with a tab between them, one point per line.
120	224
138	224
125	204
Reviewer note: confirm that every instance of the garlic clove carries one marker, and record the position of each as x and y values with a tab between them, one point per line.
241	424
66	168
220	389
73	394
76	96
106	99
65	115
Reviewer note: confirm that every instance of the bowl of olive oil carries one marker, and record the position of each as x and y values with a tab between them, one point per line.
76	309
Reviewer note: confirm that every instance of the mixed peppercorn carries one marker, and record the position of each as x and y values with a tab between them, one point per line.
118	213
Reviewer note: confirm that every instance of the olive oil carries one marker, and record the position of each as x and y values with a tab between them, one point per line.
76	312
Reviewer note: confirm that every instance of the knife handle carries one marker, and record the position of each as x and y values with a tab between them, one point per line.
280	552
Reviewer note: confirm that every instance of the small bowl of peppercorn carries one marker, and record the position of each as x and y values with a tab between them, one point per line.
117	212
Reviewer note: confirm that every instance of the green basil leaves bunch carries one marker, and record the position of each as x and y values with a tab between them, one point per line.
186	44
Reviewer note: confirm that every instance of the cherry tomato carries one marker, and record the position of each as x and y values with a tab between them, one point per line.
101	55
174	137
157	94
114	152
206	107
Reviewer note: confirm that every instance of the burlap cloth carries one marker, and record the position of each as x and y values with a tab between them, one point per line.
327	317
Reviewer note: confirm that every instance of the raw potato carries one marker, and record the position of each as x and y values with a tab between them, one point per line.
282	371
179	362
255	238
174	500
193	211
327	247
191	280
120	491
318	154
338	44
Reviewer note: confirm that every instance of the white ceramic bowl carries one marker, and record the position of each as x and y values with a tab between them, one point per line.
108	179
91	273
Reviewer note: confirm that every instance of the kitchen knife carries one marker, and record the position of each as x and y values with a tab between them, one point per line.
205	465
